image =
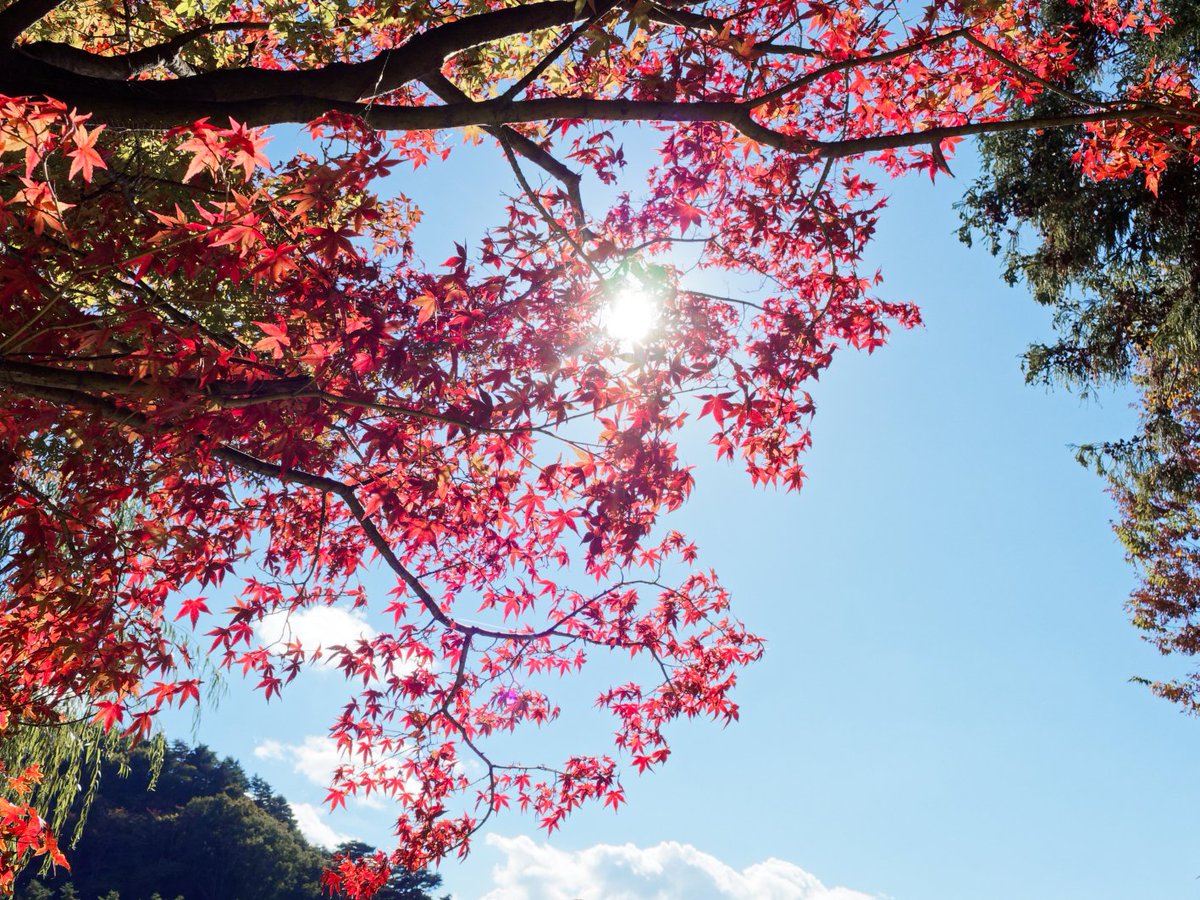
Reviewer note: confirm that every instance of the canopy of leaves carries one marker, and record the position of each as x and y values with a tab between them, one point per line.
1118	262
229	389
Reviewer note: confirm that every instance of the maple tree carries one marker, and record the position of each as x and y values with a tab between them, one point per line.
208	361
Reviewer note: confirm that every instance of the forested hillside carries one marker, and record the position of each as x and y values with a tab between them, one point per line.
201	830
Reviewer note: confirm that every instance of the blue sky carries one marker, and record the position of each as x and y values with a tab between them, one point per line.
944	710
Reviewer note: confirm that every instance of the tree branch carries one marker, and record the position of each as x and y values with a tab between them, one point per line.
168	104
349	82
449	92
119	68
150	104
858	146
772	49
555	226
682	18
548	60
854	62
224	394
248	463
56	388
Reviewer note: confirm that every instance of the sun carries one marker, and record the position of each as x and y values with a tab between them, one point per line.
631	314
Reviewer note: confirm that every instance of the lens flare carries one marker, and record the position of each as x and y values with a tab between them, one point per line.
631	314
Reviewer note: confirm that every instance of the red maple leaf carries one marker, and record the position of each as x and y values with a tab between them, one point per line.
85	159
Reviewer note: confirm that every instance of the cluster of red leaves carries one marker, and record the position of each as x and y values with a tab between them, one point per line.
24	835
206	362
1123	149
357	878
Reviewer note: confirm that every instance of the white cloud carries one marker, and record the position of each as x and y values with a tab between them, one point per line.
316	758
323	627
314	828
316	627
667	871
270	749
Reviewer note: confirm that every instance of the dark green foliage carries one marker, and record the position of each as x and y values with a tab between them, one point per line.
230	848
274	805
1119	266
199	831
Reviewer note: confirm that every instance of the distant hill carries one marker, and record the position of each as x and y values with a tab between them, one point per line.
205	832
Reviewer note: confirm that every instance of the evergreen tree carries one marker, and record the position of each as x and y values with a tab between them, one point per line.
271	803
1118	263
1118	260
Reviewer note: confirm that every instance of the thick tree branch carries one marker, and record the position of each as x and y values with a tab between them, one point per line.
140	104
349	82
168	104
61	396
264	98
222	394
28	374
121	67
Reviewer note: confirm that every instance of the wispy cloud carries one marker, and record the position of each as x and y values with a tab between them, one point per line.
667	871
316	758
